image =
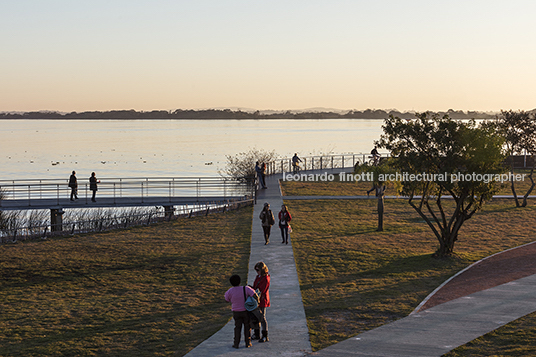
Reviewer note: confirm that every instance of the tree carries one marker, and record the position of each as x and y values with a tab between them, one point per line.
241	166
446	158
519	131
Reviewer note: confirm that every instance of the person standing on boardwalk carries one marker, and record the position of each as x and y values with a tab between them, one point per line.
73	184
237	296
262	282
284	219
263	174
267	218
260	176
93	185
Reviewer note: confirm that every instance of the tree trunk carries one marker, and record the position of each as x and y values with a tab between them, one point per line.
512	184
380	212
446	234
526	196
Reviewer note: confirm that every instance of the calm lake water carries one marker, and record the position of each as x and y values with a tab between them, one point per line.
51	149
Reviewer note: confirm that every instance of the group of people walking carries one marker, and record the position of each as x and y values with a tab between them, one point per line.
244	316
253	319
256	319
267	220
73	184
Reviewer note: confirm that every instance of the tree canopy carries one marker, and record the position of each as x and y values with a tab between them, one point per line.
438	157
519	130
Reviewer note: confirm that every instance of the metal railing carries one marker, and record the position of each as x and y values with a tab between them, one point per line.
320	162
115	188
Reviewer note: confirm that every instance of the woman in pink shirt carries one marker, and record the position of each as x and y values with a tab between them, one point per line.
237	296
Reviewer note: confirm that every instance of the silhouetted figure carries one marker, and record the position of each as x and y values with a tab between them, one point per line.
93	185
263	174
296	163
73	184
260	176
375	156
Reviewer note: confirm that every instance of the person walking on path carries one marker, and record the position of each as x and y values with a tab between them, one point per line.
260	176
93	185
284	220
262	282
237	296
267	218
73	184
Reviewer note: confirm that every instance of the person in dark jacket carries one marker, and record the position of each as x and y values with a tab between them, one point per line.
73	184
93	185
267	220
284	219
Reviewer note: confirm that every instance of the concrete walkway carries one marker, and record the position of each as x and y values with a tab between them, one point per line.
287	326
432	332
436	331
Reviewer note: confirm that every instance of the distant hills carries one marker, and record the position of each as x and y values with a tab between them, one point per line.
311	113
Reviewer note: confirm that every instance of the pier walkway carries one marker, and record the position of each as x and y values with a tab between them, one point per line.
121	192
432	332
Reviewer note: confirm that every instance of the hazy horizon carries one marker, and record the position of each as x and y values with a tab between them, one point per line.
252	110
414	55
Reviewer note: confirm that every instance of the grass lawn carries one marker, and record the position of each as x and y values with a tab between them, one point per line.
145	291
354	278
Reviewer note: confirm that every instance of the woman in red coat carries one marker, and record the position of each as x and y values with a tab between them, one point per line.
262	282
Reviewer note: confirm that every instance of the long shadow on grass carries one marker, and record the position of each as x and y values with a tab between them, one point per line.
135	335
413	275
19	277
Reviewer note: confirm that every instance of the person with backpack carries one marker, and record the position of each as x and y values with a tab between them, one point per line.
237	296
267	220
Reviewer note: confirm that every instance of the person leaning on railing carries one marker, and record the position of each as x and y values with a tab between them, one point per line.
296	163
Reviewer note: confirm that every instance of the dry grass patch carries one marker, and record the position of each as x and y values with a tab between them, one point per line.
154	290
325	188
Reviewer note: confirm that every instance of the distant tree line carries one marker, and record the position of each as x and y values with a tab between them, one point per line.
235	114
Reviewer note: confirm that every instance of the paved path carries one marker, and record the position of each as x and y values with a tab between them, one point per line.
287	326
436	331
432	332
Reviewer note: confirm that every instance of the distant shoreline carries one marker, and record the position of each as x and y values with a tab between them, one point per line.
227	114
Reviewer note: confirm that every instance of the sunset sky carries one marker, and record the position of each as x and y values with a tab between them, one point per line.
66	55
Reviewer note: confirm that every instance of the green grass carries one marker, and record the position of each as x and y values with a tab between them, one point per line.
146	291
354	279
